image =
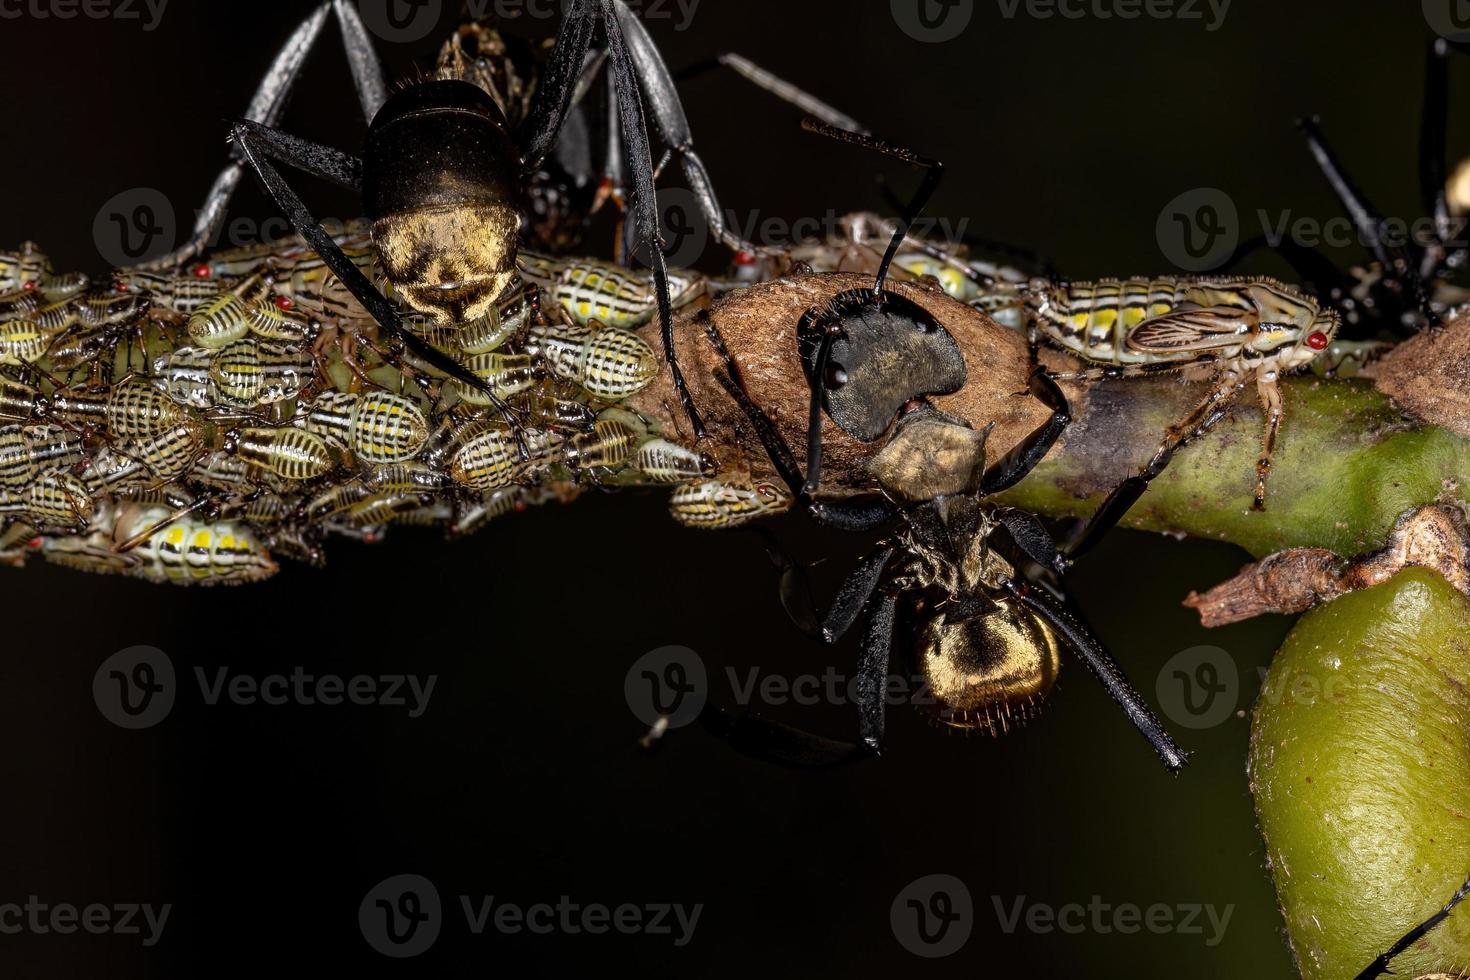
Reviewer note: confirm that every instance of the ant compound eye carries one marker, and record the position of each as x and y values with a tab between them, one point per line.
1317	340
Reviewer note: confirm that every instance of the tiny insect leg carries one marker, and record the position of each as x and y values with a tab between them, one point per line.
1380	966
270	101
1270	393
1126	494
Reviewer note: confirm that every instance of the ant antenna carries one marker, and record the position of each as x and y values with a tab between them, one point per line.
934	173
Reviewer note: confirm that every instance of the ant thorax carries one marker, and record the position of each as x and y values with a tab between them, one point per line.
961	562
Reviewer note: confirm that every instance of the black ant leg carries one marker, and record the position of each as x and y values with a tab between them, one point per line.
771	741
1032	537
795	588
1365	217
270	101
1380	966
1070	628
775	742
1432	125
548	113
855	593
853	514
671	122
1126	494
367	71
256	143
873	664
1014	466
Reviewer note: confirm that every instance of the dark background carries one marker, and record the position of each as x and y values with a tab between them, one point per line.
265	827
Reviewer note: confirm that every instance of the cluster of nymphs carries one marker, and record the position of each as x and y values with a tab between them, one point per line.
188	425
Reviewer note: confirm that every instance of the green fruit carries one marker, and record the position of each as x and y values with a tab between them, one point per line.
1360	766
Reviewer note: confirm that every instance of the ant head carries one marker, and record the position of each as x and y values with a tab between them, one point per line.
441	184
872	353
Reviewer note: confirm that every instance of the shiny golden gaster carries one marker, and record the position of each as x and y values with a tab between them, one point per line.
988	671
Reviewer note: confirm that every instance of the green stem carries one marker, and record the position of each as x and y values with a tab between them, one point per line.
1347	464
